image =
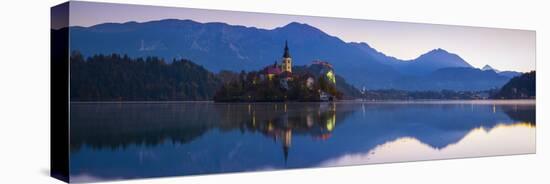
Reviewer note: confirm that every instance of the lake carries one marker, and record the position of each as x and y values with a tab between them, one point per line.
111	141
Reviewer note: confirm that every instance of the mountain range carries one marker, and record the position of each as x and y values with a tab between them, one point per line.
220	46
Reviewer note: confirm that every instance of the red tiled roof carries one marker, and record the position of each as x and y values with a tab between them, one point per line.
273	70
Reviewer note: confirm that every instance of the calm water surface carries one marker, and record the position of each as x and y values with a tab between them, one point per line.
112	141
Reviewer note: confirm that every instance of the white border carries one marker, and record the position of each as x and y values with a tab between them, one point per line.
24	95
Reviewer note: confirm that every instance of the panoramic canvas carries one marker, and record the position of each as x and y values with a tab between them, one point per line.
160	91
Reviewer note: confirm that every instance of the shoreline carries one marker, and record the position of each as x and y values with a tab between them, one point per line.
419	101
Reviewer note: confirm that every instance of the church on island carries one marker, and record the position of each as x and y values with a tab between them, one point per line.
283	71
278	82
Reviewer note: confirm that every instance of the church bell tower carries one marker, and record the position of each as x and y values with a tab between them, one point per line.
286	65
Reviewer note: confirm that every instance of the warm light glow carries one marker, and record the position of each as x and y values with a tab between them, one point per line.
500	140
254	118
331	77
331	122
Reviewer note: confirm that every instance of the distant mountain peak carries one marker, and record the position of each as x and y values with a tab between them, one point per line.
438	51
436	59
300	26
509	74
293	24
436	54
488	67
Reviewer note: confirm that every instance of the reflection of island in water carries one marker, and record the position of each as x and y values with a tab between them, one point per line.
131	140
280	122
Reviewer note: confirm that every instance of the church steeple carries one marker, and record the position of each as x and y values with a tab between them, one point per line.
287	53
286	65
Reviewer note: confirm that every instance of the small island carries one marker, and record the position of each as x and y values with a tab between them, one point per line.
278	82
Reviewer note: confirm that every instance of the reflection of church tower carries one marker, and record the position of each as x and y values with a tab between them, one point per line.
287	140
286	65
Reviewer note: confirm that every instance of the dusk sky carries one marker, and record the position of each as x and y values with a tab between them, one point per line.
503	49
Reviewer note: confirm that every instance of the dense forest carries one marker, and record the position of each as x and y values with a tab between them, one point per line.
116	77
520	87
